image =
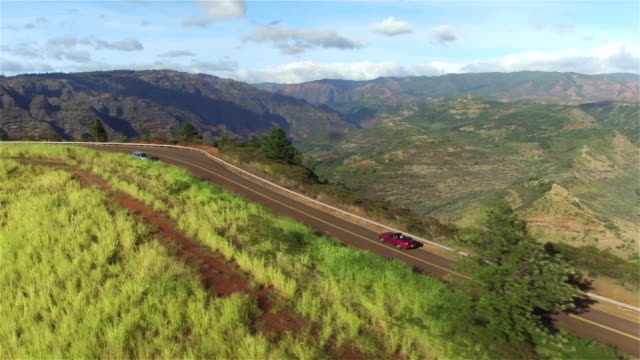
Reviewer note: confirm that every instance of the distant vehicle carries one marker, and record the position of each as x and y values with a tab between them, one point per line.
140	155
399	240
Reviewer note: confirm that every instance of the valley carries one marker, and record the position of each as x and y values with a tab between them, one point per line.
572	177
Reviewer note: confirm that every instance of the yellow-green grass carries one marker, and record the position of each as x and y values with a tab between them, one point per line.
356	299
81	279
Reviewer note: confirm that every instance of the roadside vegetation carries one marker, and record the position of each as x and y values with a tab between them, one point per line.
272	155
514	279
301	175
355	300
277	159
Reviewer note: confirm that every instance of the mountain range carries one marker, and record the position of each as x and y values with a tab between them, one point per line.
127	102
525	85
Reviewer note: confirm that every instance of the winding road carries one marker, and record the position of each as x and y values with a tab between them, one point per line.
605	327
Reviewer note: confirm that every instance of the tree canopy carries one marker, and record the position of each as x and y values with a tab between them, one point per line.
223	141
189	132
514	280
145	133
276	146
98	132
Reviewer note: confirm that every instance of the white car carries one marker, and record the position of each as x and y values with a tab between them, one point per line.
140	155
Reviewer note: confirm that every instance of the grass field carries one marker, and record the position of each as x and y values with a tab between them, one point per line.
82	279
90	281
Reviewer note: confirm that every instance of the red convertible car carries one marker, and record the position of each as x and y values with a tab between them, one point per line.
399	240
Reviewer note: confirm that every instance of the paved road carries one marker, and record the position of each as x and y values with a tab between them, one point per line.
601	326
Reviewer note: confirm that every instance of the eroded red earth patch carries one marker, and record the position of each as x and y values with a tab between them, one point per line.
219	277
574	127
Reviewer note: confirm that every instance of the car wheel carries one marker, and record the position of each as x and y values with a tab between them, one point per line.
381	239
399	246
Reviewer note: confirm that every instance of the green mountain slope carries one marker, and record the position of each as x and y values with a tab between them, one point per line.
574	179
531	85
625	117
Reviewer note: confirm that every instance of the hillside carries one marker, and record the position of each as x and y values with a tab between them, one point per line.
127	102
168	265
621	116
572	175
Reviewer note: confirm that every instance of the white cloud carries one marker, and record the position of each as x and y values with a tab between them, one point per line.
67	40
177	53
210	66
608	58
128	44
294	41
24	50
194	66
223	9
64	48
70	41
79	56
443	35
391	27
605	58
217	10
20	67
302	71
195	21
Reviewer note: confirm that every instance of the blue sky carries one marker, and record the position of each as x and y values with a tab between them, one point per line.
295	41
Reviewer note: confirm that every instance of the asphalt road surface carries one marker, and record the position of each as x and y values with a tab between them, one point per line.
601	326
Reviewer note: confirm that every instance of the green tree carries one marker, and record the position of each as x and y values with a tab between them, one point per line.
189	132
223	141
310	163
254	141
122	137
276	146
98	132
514	280
145	133
3	135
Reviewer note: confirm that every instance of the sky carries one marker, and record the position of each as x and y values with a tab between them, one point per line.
297	40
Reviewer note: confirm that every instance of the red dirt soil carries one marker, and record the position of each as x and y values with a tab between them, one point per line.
574	127
502	113
326	157
218	276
